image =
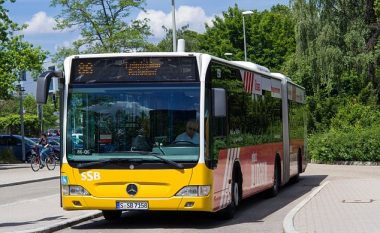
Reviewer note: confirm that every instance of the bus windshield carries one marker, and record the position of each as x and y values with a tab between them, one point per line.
136	121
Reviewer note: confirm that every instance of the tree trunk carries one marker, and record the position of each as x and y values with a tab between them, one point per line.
371	21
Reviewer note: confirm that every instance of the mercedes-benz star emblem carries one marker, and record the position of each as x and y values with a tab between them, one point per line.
132	189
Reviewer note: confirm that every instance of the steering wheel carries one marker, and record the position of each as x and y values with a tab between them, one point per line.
183	141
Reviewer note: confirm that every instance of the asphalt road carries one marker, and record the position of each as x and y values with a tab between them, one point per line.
34	207
256	214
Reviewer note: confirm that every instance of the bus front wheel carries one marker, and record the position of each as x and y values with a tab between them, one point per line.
229	211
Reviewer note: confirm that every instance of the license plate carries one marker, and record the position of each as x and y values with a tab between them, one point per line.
132	205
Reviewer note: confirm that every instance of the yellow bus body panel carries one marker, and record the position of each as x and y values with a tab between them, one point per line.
157	186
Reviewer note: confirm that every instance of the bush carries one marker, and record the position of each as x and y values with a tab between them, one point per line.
357	144
11	124
8	157
356	115
343	111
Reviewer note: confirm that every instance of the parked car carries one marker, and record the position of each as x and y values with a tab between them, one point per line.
55	138
13	144
53	132
55	144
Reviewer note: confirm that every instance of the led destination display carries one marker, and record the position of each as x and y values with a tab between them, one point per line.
132	69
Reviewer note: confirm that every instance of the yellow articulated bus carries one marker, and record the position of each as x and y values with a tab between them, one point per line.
174	131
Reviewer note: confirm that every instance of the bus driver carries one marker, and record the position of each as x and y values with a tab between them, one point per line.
190	135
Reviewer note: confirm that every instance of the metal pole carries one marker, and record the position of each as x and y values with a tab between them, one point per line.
245	45
245	42
174	28
40	117
22	123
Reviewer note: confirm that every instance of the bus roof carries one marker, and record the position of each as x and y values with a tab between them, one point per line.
239	64
134	54
281	76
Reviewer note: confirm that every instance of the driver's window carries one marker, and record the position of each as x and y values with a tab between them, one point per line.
190	134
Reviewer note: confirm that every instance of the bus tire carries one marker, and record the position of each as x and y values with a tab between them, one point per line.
229	211
276	179
299	160
111	215
296	177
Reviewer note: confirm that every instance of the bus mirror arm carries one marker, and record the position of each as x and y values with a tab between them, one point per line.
219	102
43	83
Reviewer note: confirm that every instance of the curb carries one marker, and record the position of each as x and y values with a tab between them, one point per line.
64	224
288	224
28	181
355	163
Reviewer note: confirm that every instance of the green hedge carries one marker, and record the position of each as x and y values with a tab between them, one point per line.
8	157
11	124
357	144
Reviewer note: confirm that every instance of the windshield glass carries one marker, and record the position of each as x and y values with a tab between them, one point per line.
137	121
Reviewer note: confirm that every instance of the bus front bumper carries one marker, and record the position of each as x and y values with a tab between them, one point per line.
153	204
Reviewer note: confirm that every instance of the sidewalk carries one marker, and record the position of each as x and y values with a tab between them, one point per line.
22	215
14	174
338	205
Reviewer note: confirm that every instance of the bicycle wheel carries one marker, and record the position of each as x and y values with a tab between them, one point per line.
35	162
57	156
50	162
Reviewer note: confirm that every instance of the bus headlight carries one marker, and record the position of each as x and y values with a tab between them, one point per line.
74	190
194	191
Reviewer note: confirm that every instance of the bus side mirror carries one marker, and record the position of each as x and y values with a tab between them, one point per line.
219	102
43	83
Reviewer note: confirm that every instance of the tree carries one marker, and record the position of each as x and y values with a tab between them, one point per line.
336	56
225	35
10	124
103	26
333	46
271	37
166	44
269	34
16	55
10	119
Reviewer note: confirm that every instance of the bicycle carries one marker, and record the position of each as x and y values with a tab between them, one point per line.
35	160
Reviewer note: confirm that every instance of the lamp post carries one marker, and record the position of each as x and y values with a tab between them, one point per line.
20	90
228	55
245	43
174	27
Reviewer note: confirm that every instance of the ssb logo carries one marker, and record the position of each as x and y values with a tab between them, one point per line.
90	176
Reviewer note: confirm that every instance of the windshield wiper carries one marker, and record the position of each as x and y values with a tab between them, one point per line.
158	144
162	151
157	155
154	154
177	165
104	161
